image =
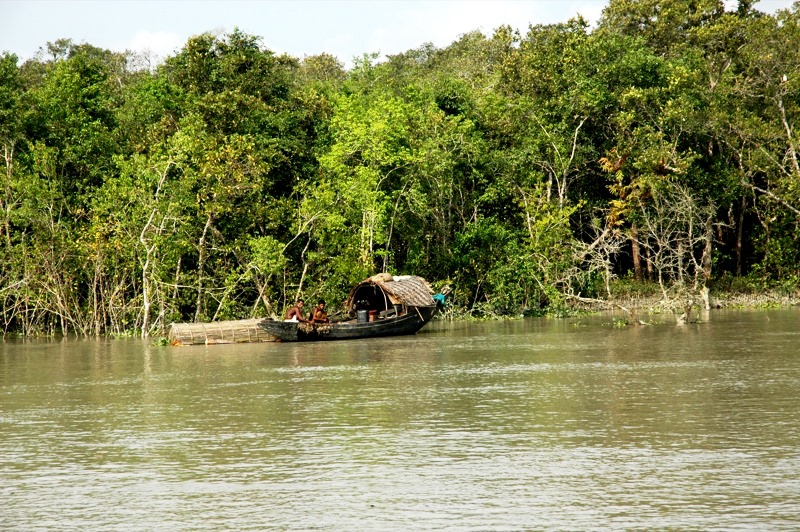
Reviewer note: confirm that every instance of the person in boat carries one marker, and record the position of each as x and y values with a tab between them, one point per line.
318	314
295	313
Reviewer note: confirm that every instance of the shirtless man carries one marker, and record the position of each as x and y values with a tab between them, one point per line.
318	314
296	312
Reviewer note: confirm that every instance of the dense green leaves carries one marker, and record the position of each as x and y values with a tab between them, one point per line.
521	169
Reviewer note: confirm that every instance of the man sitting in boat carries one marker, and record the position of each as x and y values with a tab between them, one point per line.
318	314
295	313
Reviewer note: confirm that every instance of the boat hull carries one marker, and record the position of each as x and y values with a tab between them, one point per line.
408	323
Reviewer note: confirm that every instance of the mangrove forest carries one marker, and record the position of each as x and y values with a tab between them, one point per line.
658	147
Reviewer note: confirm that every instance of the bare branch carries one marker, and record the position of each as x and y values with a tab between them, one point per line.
772	196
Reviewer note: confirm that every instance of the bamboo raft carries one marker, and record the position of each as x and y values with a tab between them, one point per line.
219	332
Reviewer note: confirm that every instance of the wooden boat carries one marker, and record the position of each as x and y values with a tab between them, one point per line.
381	305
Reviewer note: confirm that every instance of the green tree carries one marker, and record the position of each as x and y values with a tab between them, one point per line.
10	136
663	24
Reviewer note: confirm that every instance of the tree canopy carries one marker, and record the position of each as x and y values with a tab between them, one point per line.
524	170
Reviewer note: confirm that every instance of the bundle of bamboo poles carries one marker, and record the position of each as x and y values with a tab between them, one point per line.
219	332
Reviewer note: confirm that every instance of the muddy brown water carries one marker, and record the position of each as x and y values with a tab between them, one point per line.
521	425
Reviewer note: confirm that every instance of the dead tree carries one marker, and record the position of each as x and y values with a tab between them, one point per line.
676	230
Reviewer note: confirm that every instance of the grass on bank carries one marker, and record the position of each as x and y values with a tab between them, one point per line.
646	298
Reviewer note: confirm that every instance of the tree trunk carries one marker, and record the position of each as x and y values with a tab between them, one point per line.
707	251
637	258
96	297
739	236
5	203
201	259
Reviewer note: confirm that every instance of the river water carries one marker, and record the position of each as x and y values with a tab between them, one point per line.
533	424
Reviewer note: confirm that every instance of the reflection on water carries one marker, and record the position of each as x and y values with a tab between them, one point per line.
567	424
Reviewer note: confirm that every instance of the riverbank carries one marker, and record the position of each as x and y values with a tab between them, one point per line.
645	299
688	308
768	298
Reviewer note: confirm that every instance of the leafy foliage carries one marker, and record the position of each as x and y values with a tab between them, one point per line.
525	170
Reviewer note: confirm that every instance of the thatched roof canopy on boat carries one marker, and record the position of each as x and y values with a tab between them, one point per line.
384	290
